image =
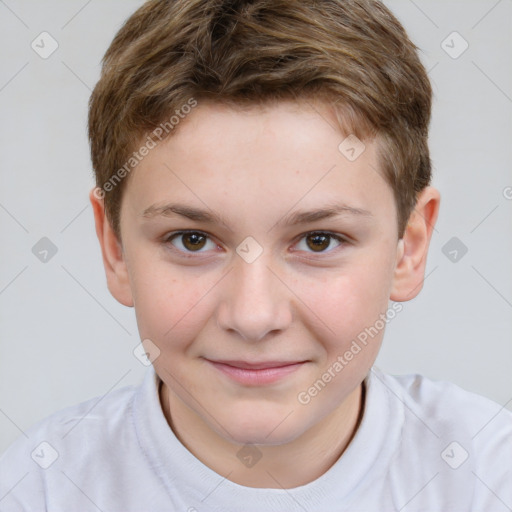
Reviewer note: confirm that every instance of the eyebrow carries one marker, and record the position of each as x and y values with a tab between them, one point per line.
293	219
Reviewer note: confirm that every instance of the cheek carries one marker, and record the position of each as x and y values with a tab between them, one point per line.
169	303
345	303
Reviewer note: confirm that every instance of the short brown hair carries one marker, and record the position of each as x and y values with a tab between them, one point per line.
353	54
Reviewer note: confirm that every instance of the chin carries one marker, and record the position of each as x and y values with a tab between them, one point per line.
260	428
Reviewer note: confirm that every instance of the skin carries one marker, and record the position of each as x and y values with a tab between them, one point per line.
295	302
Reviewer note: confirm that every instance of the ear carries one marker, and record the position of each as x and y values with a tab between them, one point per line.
413	247
111	249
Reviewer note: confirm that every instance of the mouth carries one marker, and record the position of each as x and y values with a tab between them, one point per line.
256	373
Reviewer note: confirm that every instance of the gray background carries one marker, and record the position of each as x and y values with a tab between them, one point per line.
64	339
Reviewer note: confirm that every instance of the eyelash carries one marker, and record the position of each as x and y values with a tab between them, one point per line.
190	254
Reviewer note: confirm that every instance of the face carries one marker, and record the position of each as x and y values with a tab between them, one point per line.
249	297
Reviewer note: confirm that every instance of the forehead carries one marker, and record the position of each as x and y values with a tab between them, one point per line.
266	160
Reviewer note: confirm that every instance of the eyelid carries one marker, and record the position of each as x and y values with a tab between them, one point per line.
173	234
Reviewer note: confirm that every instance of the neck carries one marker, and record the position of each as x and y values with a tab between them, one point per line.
288	465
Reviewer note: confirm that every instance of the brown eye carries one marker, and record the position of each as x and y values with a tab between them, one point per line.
189	241
319	242
193	241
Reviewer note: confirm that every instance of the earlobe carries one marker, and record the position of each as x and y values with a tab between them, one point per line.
112	253
413	247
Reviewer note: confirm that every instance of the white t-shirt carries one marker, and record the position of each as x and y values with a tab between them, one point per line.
421	446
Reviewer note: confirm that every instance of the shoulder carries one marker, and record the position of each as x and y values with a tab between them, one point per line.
463	438
74	435
100	413
448	405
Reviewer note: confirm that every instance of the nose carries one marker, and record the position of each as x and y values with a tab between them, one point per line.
255	303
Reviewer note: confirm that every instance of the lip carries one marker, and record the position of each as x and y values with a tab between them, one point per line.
257	373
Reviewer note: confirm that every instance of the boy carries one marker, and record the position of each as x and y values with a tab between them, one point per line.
262	176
